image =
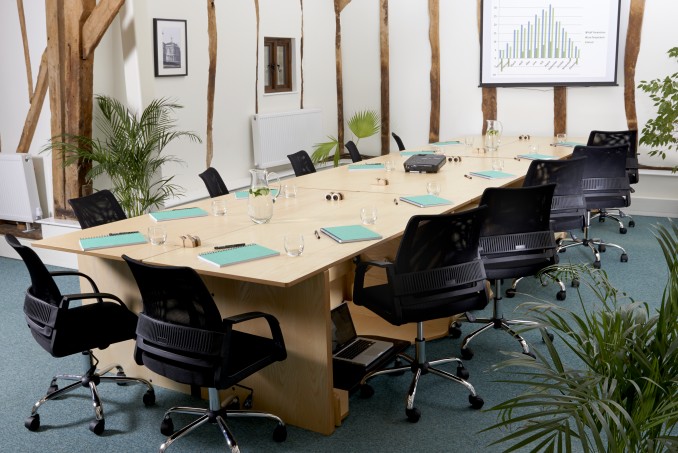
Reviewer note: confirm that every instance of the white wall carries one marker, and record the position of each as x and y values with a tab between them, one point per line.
124	68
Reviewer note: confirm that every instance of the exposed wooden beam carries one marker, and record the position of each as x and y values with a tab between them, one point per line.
489	94
97	23
27	55
211	78
301	57
36	107
339	5
385	80
434	39
635	27
559	110
256	68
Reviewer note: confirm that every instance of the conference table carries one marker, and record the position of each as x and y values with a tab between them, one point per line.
300	291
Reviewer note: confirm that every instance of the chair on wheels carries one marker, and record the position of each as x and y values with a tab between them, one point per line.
64	328
399	142
182	336
568	208
353	151
619	138
516	240
215	185
301	163
97	209
436	274
605	186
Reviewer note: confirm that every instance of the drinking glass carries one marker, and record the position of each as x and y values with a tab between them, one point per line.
534	148
468	141
294	244
157	235
560	138
219	207
290	191
497	164
368	215
432	188
389	165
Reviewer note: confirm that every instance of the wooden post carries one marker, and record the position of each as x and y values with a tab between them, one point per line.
339	5
489	94
559	110
434	39
211	79
256	68
301	57
385	80
636	12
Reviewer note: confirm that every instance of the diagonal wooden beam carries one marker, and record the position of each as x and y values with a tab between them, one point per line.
27	55
36	107
97	23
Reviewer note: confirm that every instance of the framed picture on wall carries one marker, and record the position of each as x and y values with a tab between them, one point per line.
170	49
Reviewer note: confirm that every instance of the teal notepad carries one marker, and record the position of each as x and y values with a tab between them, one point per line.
112	240
366	166
236	255
536	156
243	194
569	144
491	174
412	153
451	142
426	200
181	213
350	233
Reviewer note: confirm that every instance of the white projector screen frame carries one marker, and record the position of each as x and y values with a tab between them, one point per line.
549	42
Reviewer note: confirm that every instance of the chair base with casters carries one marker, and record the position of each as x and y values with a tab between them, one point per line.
560	295
604	214
216	414
419	366
90	379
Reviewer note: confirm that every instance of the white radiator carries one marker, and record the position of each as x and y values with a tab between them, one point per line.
19	199
275	135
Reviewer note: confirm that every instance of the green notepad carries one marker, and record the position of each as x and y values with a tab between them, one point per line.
244	194
412	153
236	255
536	156
350	233
569	144
366	166
181	213
451	142
426	200
112	240
491	174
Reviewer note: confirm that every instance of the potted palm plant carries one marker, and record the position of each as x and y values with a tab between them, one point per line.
623	394
129	152
363	124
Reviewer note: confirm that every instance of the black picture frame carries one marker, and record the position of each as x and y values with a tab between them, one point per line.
170	47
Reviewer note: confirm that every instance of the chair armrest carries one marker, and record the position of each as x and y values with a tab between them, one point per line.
67	298
272	321
76	274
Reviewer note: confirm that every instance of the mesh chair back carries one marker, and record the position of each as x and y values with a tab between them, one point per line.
353	151
617	138
605	182
517	210
399	142
301	163
97	209
215	185
43	286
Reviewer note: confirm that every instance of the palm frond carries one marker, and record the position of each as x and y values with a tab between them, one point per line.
364	123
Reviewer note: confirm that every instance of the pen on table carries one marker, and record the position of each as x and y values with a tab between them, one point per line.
395	200
317	236
229	246
468	177
517	158
122	232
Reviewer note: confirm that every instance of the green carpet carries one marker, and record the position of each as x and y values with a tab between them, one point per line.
374	425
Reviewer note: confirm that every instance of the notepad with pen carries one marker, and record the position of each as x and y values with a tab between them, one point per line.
412	153
375	166
572	144
112	240
450	142
350	233
424	201
237	254
491	174
536	156
180	213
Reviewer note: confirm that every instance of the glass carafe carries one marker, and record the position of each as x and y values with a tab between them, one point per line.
261	195
493	135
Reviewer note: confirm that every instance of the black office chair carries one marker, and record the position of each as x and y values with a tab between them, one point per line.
399	142
516	240
353	151
436	273
182	336
568	208
301	163
605	186
97	209
215	185
619	138
63	328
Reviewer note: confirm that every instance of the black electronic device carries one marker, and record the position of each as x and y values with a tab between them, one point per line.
424	163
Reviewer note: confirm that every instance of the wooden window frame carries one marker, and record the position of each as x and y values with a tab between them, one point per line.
270	45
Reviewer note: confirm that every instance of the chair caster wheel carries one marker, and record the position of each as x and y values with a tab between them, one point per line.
632	223
455	330
280	433
32	423
602	248
397	363
510	292
121	374
52	388
413	415
366	391
561	295
149	398
596	265
476	401
531	354
550	337
248	403
622	230
167	426
624	258
462	372
467	353
97	426
234	405
575	283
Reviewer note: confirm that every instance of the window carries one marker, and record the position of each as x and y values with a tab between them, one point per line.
277	65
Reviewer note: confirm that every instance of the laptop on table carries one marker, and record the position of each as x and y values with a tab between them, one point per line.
347	346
